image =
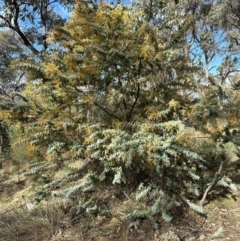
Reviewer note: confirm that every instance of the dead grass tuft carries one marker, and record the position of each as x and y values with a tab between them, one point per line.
19	224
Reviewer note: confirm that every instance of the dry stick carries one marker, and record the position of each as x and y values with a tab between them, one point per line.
212	183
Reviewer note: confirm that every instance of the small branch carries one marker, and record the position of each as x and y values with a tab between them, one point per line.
237	43
135	102
99	106
18	81
21	96
216	175
138	91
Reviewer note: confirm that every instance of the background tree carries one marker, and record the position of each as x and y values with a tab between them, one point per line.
11	80
11	50
31	20
25	27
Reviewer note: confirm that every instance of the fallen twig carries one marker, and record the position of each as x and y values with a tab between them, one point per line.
212	183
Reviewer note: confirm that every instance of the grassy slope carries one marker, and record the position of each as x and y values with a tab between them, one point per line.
55	221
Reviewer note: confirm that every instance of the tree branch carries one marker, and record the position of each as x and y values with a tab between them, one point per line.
99	106
236	41
135	102
217	174
43	15
15	26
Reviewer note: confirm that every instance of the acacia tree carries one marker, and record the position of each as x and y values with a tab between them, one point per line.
114	93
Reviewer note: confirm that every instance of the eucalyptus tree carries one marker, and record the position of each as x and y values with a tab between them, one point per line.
11	49
11	80
31	20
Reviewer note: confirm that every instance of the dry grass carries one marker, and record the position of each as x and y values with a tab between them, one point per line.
54	221
224	214
49	222
40	224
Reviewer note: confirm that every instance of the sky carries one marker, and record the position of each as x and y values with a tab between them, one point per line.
64	13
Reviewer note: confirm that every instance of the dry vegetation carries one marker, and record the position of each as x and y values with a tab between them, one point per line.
57	219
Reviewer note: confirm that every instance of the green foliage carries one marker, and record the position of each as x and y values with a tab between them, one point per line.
170	235
36	170
86	185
